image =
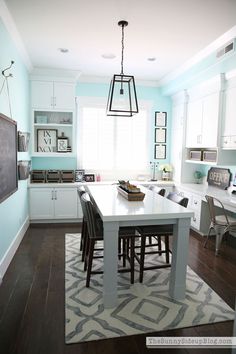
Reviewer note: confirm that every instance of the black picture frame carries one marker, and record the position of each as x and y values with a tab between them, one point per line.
47	140
62	144
160	135
89	177
79	175
160	152
8	157
160	119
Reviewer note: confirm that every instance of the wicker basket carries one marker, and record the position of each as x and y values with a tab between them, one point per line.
132	197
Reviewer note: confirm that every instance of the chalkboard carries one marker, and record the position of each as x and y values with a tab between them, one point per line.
219	177
8	157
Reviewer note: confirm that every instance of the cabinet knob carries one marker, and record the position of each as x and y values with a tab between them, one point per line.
194	219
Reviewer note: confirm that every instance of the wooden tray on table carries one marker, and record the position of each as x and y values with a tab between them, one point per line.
132	197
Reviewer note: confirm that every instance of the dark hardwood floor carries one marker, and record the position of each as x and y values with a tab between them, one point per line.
32	298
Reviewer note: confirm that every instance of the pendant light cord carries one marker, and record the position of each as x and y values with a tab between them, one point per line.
122	51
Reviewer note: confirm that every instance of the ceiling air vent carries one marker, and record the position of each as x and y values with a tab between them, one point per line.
228	48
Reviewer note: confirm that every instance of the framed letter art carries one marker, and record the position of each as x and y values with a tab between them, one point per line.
160	119
47	140
160	135
160	152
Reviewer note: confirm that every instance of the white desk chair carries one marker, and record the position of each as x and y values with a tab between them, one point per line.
219	223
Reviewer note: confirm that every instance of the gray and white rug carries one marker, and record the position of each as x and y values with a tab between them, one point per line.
142	308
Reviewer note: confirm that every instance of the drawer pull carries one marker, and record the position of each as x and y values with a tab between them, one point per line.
194	219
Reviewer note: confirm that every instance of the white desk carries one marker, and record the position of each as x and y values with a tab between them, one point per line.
116	211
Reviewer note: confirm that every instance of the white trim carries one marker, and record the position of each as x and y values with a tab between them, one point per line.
107	80
213	47
6	260
12	29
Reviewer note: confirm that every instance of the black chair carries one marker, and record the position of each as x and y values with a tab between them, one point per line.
157	232
95	233
81	190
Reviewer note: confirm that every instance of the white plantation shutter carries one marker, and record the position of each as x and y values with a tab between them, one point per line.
112	144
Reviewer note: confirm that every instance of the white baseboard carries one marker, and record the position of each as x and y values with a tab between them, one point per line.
4	263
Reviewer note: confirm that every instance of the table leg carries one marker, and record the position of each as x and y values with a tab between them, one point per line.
111	231
179	259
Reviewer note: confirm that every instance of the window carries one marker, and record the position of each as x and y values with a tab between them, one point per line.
114	146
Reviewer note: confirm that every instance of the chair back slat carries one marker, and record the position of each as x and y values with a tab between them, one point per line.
174	197
89	214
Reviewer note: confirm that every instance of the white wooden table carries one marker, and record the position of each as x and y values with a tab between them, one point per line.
116	211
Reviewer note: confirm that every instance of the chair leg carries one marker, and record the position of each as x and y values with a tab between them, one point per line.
90	261
132	244
82	236
219	237
159	244
150	240
85	239
142	255
86	252
209	231
167	249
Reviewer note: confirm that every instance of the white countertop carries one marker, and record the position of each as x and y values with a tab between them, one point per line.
225	196
113	206
76	184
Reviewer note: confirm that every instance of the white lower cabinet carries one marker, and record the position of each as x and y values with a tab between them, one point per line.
53	203
200	220
194	203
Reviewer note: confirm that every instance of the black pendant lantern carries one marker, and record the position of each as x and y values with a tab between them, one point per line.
122	99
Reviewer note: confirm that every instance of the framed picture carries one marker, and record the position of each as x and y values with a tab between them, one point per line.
160	119
160	152
160	135
89	178
47	140
62	144
79	175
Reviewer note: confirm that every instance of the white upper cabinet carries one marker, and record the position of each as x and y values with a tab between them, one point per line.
203	114
210	119
194	124
228	139
52	95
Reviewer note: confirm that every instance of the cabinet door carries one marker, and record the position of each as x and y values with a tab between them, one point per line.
210	120
230	109
41	203
42	94
194	124
66	203
64	95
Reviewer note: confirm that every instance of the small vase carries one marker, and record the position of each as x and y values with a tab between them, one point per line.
166	176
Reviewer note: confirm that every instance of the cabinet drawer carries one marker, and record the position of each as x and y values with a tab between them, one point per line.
233	141
195	220
196	203
225	141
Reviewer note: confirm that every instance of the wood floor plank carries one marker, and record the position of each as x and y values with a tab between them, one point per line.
32	298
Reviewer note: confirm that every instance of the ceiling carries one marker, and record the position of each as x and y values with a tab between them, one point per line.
172	31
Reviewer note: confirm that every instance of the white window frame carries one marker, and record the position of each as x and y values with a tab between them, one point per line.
100	102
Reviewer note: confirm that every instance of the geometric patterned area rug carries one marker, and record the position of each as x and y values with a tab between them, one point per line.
142	308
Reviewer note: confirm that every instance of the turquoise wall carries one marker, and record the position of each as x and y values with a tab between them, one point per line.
14	210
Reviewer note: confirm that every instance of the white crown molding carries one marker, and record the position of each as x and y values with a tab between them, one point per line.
107	80
54	74
11	28
219	42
